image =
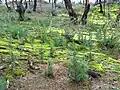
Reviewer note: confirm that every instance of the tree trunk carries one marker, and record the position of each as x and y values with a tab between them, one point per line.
86	11
54	8
80	2
55	3
29	2
109	2
71	12
13	4
101	9
108	10
21	10
0	1
7	5
26	5
104	8
35	5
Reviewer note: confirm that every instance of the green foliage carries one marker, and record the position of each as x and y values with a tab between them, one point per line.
18	33
9	76
115	88
58	39
45	22
3	83
97	67
82	39
116	68
77	69
19	72
50	68
44	34
107	41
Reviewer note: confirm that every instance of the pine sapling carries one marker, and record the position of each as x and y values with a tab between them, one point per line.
50	68
77	69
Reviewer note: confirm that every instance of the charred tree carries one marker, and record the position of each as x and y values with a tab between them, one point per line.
104	7
26	5
7	5
86	11
93	73
54	8
29	2
109	2
71	12
21	10
101	8
0	1
35	5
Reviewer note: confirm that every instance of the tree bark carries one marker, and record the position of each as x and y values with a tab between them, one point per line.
71	12
13	4
35	5
104	8
29	2
7	5
109	2
0	1
86	11
54	13
101	9
21	10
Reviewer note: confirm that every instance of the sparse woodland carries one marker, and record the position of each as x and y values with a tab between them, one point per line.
60	46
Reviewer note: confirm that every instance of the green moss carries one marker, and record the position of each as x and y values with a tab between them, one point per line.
9	76
97	67
19	72
4	51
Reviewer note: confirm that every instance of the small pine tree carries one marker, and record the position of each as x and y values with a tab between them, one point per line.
3	83
77	69
50	68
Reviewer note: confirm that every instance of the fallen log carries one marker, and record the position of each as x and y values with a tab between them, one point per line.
93	73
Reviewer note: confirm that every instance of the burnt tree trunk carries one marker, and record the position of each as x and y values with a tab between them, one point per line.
0	1
29	2
71	12
35	5
7	5
13	4
21	10
26	5
104	7
54	8
101	8
86	11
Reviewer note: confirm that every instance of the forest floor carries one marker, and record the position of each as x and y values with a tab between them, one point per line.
37	80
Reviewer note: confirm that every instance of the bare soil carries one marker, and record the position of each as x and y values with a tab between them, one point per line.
37	80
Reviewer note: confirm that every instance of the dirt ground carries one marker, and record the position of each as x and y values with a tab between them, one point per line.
39	81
